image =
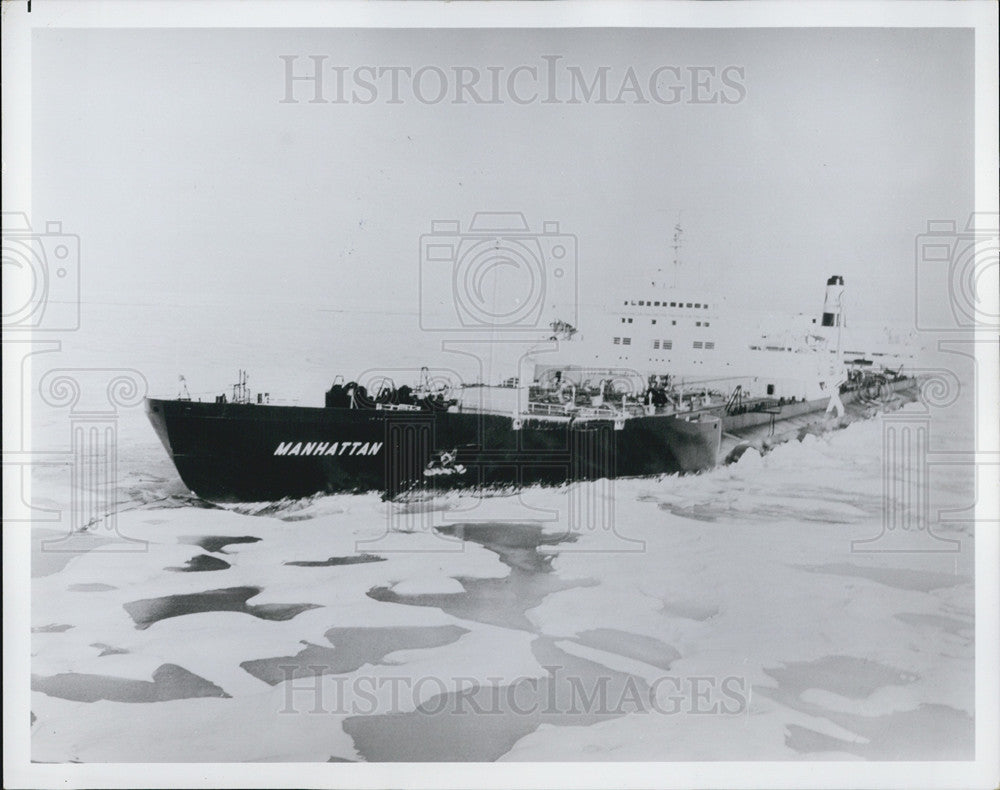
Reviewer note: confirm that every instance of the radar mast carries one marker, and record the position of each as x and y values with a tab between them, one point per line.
676	246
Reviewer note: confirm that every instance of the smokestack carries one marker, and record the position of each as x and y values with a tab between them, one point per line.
834	301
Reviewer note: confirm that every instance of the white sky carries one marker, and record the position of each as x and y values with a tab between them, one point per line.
169	153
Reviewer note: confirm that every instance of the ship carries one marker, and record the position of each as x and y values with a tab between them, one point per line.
660	387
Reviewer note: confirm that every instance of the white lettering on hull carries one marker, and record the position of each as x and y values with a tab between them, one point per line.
328	448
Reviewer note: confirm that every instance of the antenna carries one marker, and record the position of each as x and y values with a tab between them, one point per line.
840	326
241	391
676	246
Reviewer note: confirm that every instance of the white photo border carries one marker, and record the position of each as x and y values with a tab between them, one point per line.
18	26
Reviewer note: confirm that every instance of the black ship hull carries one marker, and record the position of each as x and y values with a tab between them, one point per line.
237	452
857	402
242	452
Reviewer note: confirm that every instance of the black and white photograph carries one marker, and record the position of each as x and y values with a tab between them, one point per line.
500	394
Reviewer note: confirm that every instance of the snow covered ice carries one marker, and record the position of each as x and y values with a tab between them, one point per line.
722	616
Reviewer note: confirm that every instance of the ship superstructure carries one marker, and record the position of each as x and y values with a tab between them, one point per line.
697	337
